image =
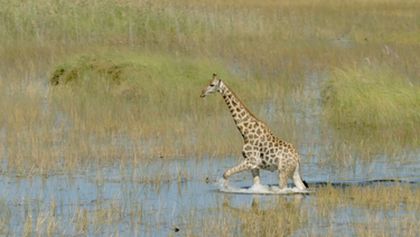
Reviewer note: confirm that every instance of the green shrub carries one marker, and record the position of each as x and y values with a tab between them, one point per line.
375	97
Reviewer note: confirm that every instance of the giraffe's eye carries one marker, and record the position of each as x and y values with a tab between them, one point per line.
211	85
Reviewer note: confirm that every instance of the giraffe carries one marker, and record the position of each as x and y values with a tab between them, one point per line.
261	149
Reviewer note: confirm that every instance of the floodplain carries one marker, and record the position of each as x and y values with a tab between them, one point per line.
103	132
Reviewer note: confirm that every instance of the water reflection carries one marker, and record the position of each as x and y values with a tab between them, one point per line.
280	216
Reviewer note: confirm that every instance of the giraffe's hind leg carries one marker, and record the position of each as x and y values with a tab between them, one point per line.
283	177
300	184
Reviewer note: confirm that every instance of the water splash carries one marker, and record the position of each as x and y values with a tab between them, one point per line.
223	186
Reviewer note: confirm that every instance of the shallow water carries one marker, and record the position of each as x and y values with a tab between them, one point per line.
161	197
188	186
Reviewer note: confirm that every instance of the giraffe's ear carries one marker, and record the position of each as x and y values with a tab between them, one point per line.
219	82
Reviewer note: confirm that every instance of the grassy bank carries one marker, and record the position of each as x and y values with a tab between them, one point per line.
373	97
373	105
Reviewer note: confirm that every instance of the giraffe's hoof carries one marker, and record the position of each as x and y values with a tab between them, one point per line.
223	183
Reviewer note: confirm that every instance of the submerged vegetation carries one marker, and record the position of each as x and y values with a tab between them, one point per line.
86	85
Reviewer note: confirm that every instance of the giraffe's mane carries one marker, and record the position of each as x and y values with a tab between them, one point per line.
242	103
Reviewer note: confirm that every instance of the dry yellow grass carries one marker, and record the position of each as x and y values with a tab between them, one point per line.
266	49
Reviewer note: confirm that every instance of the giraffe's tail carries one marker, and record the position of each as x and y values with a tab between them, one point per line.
297	180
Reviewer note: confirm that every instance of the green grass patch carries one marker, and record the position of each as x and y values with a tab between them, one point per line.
133	75
371	97
373	110
160	84
148	97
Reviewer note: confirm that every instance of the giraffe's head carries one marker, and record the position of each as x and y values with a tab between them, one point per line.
214	86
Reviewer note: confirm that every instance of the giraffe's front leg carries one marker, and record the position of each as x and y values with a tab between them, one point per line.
256	176
244	165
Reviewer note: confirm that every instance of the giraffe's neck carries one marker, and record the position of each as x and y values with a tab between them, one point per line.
241	115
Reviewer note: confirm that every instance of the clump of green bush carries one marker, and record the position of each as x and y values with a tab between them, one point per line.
68	73
129	75
371	97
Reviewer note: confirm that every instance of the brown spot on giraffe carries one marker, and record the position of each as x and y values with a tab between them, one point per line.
257	152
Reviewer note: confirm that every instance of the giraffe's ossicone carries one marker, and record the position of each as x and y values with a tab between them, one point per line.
261	149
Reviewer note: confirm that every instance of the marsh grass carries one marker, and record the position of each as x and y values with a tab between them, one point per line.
140	65
373	108
372	97
401	197
141	104
148	98
5	218
388	210
368	211
379	210
128	95
283	218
